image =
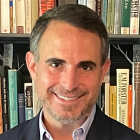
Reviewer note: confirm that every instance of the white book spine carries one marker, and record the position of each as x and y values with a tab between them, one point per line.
122	95
14	17
134	17
20	13
117	18
91	4
5	16
28	16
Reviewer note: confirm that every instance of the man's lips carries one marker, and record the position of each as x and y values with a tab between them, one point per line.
66	98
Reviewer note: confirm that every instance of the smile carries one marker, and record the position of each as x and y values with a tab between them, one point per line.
67	98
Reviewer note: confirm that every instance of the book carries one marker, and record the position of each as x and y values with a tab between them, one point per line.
117	18
1	120
14	17
125	17
62	2
110	16
134	17
34	12
5	102
122	95
28	101
13	102
20	16
103	97
27	16
113	102
21	107
45	6
136	88
104	11
137	96
11	16
107	90
91	4
98	8
130	96
5	16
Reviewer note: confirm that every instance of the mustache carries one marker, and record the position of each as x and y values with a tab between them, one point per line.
63	91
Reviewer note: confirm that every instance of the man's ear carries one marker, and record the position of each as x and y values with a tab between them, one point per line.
31	65
105	68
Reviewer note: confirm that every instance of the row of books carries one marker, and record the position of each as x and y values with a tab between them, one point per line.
120	101
15	107
119	16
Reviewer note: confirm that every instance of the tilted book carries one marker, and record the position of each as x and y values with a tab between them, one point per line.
13	100
122	95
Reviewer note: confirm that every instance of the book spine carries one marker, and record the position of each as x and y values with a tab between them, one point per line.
45	6
103	97
14	17
91	4
107	90
98	8
122	95
113	102
34	12
104	11
11	16
5	16
137	96
130	106
1	120
110	16
21	107
20	13
28	100
134	17
13	102
28	16
117	19
5	104
125	17
62	2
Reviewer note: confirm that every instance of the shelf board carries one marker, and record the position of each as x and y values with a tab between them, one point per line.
113	39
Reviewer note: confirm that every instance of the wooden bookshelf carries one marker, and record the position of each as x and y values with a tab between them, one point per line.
114	39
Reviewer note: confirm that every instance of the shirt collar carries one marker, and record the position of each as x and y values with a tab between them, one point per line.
85	127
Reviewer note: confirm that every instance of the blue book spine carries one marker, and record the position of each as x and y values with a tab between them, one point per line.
21	107
104	11
13	102
29	113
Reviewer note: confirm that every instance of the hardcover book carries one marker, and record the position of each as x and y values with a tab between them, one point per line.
13	102
122	95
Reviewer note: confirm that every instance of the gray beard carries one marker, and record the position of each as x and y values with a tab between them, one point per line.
70	120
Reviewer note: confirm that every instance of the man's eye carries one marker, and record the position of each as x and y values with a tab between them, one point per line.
87	68
55	64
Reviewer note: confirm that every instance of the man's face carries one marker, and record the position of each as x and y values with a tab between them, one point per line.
69	72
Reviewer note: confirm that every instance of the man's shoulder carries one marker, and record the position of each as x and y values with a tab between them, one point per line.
15	132
22	130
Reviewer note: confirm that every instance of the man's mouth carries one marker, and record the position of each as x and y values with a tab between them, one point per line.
66	98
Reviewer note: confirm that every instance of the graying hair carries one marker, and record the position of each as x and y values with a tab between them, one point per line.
78	16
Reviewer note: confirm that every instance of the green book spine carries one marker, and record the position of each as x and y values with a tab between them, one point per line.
125	17
13	102
110	16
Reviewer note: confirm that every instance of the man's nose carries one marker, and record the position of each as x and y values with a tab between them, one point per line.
69	78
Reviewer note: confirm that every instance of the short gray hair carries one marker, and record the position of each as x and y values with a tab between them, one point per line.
78	16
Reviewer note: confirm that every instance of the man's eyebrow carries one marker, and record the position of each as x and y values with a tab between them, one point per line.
56	60
91	63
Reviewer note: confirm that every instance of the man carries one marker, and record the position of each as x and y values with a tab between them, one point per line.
68	62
